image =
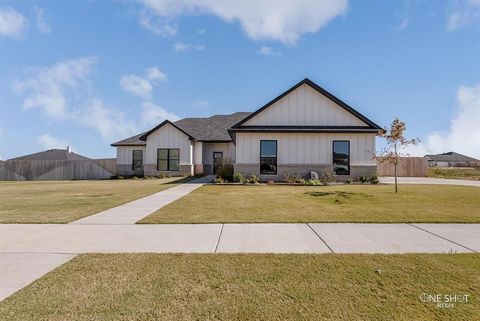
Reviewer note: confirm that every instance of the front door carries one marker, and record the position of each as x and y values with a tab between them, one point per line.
217	161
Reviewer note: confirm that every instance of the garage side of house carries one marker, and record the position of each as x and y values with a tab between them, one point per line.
305	129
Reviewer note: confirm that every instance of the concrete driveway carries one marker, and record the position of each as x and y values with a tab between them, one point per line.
28	251
429	181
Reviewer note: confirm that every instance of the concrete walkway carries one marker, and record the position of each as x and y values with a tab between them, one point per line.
429	181
134	211
28	251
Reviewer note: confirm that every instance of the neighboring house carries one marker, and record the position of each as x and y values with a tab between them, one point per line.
451	159
56	164
304	129
53	154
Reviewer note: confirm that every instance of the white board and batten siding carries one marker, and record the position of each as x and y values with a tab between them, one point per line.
305	148
304	107
168	136
125	154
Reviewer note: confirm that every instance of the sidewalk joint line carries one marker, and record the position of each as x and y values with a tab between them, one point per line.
219	236
443	238
320	238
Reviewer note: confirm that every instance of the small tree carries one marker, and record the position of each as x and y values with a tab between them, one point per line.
396	143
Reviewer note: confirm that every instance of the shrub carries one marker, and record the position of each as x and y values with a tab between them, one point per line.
293	179
224	169
312	182
364	179
238	178
374	179
327	177
348	181
253	179
218	180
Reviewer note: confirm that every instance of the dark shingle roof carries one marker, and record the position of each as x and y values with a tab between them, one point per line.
52	154
214	128
451	157
131	141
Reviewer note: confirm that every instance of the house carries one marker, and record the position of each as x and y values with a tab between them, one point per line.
304	129
56	164
52	154
451	159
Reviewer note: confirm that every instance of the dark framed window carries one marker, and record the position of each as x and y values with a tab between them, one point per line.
137	160
168	159
341	157
268	157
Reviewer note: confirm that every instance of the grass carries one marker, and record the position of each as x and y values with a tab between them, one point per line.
250	287
66	201
472	173
342	203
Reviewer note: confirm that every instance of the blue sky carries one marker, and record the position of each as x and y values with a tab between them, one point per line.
87	73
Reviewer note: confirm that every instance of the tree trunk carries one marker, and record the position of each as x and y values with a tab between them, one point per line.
395	171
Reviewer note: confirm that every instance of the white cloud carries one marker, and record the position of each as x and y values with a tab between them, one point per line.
110	123
153	114
48	88
142	86
12	23
182	47
47	141
268	51
153	73
463	14
157	25
464	134
280	20
42	25
62	91
136	86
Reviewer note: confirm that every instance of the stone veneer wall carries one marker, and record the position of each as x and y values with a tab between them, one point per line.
303	170
151	170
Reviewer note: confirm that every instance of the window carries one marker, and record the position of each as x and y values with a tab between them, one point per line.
168	159
137	160
268	157
341	157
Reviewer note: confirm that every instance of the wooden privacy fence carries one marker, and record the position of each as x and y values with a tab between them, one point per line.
26	170
407	167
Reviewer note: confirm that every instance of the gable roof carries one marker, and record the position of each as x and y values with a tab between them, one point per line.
451	157
52	154
322	91
165	122
203	129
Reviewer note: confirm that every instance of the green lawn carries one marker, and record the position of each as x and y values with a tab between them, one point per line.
341	203
66	201
335	287
472	173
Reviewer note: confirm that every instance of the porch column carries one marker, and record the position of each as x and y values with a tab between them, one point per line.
198	157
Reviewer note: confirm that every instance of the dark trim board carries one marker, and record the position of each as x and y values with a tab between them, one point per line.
304	129
320	90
